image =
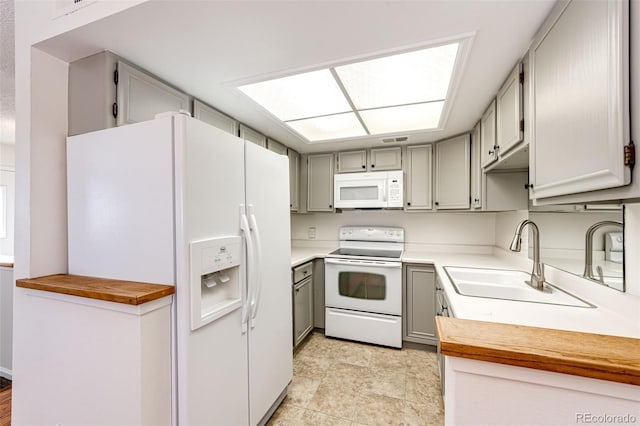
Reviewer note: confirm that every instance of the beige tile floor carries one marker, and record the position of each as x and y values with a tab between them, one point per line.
337	382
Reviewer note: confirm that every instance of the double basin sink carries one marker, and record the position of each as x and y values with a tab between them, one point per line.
507	285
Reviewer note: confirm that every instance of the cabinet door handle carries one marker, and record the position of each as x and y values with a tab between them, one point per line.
528	186
437	203
330	206
491	152
373	165
408	204
364	167
476	200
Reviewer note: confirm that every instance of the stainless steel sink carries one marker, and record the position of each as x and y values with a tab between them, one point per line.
507	285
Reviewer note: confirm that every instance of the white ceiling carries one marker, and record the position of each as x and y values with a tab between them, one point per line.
207	48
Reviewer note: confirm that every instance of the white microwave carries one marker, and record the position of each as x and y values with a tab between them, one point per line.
368	190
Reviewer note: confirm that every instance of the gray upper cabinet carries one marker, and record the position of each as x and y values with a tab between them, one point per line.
141	96
385	159
488	142
320	182
509	112
294	179
92	93
377	159
251	135
276	147
105	92
476	169
352	161
420	304
209	115
452	173
419	172
580	65
505	190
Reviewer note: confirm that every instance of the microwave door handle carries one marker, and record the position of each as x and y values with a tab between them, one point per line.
384	191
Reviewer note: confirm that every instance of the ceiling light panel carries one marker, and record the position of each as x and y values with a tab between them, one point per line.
418	76
329	127
299	96
403	118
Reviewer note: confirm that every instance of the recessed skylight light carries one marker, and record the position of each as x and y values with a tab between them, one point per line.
397	93
329	127
402	118
299	96
407	78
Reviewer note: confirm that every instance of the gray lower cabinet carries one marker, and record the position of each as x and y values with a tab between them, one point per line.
302	277
420	304
302	309
318	293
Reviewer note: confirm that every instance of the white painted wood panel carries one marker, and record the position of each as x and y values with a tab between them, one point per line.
580	85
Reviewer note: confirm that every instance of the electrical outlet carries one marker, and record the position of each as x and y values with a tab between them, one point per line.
311	232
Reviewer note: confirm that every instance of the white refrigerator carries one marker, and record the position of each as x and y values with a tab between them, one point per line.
177	201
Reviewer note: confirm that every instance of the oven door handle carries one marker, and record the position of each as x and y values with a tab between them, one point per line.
372	263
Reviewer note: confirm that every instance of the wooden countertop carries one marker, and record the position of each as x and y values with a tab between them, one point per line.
127	292
596	356
6	265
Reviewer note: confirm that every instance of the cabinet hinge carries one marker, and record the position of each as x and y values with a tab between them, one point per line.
521	77
114	110
522	125
630	155
115	76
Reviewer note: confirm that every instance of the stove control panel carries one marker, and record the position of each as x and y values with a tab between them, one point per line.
371	233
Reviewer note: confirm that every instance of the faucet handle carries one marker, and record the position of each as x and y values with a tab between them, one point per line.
600	274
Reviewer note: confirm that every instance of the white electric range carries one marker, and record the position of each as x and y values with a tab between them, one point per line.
363	286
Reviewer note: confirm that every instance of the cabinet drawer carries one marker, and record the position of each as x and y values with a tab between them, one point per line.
302	271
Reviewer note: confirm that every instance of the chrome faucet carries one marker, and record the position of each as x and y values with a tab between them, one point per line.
537	273
588	250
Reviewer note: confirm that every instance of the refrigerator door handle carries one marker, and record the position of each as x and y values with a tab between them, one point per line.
247	289
257	265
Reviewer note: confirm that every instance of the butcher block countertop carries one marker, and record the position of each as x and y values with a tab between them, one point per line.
126	292
596	356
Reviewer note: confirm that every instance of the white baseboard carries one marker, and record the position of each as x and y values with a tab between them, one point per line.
6	373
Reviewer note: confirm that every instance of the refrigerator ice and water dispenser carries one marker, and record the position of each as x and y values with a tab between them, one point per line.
215	279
